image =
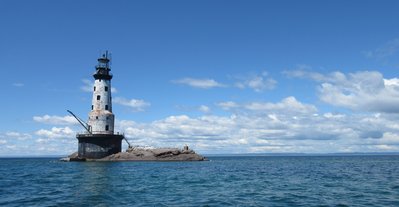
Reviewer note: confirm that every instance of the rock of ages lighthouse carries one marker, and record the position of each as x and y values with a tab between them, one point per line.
99	139
101	143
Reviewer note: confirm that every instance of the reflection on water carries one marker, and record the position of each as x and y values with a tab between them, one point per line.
95	183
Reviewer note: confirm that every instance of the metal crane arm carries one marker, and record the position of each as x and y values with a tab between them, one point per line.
128	143
84	124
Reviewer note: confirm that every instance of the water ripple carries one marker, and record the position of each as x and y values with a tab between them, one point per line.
225	181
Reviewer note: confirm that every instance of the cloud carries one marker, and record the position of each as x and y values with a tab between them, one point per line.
18	135
56	120
54	141
135	104
364	91
228	105
18	84
189	109
177	130
247	127
287	105
304	71
359	91
387	50
55	132
199	83
266	126
88	86
257	82
271	132
204	109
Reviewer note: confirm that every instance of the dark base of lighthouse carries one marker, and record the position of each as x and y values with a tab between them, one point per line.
96	146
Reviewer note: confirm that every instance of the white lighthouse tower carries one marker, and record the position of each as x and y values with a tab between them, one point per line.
99	140
101	118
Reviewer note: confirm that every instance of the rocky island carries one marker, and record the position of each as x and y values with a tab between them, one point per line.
146	154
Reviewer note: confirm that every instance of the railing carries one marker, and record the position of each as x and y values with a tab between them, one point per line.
100	132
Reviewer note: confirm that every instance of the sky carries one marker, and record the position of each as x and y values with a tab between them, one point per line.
220	76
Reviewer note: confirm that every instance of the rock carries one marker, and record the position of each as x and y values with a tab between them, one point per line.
157	154
146	154
73	155
65	159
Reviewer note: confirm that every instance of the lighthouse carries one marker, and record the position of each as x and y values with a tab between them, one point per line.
99	140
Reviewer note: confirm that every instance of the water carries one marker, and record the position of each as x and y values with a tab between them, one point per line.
223	181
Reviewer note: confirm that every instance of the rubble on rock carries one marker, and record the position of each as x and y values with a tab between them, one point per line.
147	154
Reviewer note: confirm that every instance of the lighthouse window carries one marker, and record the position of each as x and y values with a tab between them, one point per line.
106	88
98	97
106	128
92	107
96	117
106	107
94	88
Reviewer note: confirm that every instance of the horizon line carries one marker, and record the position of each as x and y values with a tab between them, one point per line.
293	154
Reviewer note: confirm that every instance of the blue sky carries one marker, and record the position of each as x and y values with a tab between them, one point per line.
220	76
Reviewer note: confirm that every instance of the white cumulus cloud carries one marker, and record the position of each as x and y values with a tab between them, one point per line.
287	105
359	91
272	132
135	104
18	135
204	109
56	120
199	83
288	125
227	105
276	129
56	132
265	127
257	82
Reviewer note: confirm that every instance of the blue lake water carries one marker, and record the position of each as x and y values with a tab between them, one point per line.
223	181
